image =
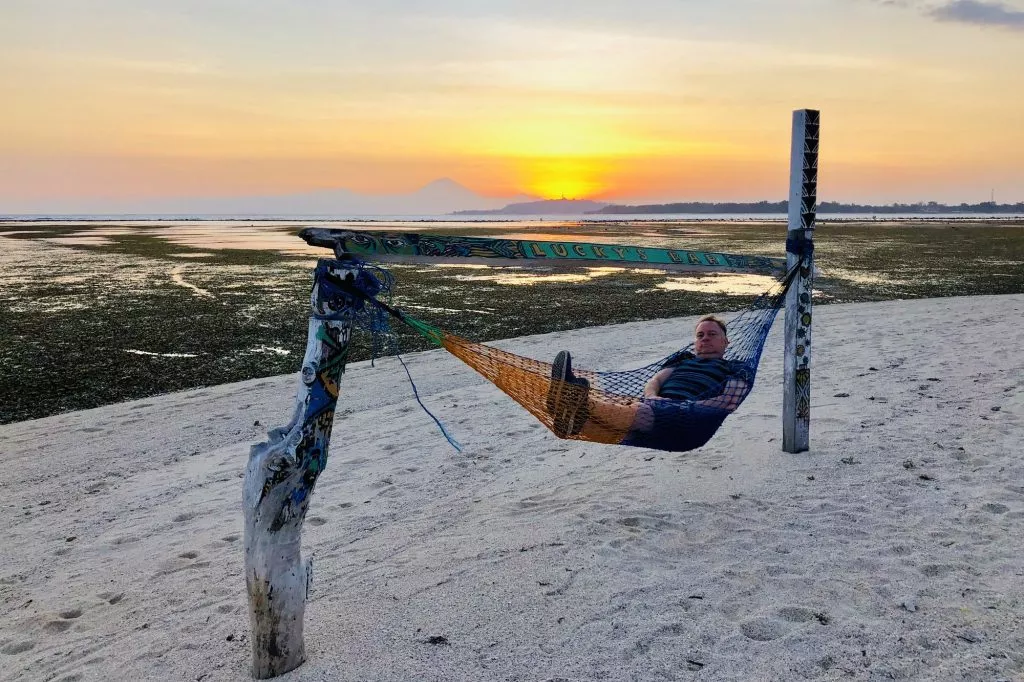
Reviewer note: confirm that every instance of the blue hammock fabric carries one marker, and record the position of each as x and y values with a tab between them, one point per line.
679	426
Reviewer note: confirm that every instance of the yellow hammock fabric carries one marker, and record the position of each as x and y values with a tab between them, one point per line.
528	382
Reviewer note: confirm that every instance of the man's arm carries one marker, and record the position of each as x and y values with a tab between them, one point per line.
653	387
730	397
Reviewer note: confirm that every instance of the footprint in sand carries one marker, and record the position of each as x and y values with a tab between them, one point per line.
316	520
762	629
111	597
15	648
937	570
801	614
187	516
191	554
64	624
652	522
995	508
125	539
230	538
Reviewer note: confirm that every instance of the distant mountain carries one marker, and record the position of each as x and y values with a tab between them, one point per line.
544	207
439	197
702	207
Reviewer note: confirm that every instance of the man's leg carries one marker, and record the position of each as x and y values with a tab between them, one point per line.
609	422
576	411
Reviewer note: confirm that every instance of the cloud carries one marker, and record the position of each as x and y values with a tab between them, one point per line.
980	14
974	12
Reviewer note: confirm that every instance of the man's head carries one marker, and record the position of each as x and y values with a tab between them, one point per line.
709	338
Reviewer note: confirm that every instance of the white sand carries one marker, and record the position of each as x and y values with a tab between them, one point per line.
894	549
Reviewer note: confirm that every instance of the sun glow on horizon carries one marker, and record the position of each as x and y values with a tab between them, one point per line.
561	177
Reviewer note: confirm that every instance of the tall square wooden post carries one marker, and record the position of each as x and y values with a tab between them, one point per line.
803	204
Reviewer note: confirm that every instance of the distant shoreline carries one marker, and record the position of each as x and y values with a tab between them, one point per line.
9	220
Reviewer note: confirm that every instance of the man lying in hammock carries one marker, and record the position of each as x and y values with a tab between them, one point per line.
682	407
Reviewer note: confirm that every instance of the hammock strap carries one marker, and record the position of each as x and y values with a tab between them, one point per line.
787	281
799	245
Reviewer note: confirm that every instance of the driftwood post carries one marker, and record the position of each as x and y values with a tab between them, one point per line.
279	481
803	202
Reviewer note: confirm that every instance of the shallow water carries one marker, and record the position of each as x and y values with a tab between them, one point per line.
721	283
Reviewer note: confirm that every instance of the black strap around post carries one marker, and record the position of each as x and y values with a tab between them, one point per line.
799	245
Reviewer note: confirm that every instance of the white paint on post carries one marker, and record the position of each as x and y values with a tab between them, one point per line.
803	191
279	481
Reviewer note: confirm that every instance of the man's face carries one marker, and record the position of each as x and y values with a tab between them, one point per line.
709	341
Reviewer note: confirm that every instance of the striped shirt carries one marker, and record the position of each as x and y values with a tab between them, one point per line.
699	379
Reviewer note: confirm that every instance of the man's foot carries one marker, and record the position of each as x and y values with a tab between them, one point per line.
567	397
561	372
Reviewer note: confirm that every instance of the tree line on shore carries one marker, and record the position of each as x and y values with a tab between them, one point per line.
823	207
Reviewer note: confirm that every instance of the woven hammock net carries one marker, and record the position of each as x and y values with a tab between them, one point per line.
611	407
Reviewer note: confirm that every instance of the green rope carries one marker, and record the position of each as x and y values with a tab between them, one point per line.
433	334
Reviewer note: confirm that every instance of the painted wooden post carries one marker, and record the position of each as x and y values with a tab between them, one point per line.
279	481
803	203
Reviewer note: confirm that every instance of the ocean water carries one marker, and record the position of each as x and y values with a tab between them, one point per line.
200	238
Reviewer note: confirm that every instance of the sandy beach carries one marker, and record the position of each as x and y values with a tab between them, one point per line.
893	549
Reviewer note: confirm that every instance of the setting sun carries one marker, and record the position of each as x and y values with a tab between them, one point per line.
567	178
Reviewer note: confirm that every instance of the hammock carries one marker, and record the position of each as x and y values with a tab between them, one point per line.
609	407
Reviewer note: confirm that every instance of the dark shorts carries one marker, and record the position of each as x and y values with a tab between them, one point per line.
678	426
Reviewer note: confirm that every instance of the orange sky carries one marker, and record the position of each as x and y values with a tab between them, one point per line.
660	101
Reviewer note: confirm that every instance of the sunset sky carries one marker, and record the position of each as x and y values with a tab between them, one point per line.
640	100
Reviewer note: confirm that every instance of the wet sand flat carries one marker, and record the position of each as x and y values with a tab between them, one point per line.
96	313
